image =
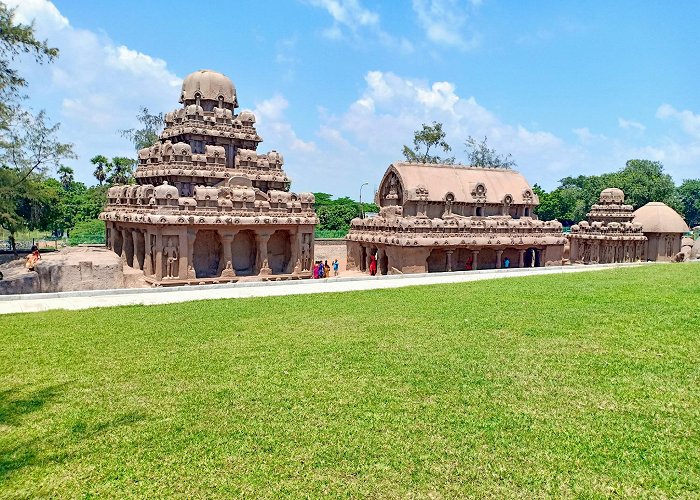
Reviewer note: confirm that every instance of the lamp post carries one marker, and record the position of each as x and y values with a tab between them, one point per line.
362	212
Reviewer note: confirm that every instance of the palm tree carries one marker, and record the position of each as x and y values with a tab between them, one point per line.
102	166
65	175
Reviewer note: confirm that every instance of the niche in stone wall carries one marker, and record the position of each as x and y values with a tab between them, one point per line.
279	252
437	261
243	253
206	254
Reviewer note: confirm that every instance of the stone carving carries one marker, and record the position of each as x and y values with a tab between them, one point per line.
171	254
608	235
453	217
204	179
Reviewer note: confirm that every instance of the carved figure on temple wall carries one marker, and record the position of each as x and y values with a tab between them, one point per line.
171	255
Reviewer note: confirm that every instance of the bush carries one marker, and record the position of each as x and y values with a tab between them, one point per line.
90	232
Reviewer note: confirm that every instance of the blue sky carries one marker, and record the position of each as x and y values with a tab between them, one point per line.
339	86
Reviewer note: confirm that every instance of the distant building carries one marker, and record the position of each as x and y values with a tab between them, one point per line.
436	217
664	229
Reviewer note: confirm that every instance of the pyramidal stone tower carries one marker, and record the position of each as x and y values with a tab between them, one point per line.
207	207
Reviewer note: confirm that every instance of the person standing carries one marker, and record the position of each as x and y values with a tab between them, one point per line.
326	270
335	267
506	262
316	270
372	265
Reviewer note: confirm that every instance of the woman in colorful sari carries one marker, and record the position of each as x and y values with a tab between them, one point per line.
372	265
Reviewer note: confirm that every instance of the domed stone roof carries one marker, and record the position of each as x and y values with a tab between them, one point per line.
210	85
657	217
612	195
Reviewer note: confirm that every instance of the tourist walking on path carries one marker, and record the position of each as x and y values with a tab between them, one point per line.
372	265
321	274
335	267
326	270
316	270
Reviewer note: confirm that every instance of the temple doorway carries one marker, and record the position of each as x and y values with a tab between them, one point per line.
118	241
129	248
532	257
363	259
243	253
207	254
383	263
140	255
279	252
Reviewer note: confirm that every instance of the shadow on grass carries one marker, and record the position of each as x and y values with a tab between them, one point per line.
50	446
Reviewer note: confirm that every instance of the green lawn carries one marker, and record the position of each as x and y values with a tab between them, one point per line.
577	385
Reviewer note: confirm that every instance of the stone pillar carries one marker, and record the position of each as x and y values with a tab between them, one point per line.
499	254
295	241
135	233
183	260
521	259
159	254
449	260
573	250
147	257
124	242
226	243
475	255
261	261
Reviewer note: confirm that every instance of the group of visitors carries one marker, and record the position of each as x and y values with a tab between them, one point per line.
323	270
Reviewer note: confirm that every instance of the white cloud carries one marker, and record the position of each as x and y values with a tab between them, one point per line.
359	24
95	87
445	22
689	121
630	124
274	127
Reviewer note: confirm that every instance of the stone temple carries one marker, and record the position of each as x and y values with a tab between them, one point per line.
437	218
609	234
207	207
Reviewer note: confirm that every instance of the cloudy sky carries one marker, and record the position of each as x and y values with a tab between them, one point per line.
339	86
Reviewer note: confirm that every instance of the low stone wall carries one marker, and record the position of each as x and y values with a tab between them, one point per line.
71	269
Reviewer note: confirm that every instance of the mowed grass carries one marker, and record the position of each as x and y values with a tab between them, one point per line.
579	385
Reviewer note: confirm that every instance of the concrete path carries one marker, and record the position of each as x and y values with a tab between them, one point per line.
107	298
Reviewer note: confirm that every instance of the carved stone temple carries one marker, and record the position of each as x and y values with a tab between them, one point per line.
207	207
452	218
609	234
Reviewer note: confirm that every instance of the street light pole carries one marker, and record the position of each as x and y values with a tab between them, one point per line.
362	212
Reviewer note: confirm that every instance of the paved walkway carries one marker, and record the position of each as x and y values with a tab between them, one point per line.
107	298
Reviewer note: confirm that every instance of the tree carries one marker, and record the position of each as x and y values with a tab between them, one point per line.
146	136
65	175
644	181
31	145
101	167
16	39
689	194
121	171
430	136
480	155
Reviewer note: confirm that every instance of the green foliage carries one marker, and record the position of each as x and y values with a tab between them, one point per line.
102	166
335	215
427	138
480	155
689	195
87	232
641	180
16	39
560	386
328	233
121	170
148	134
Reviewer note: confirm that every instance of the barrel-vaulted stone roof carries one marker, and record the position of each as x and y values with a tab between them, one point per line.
657	217
433	182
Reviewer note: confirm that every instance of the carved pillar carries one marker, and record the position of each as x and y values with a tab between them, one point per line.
183	253
147	257
261	261
227	243
573	250
124	243
521	258
159	253
449	260
295	241
135	233
475	255
499	254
